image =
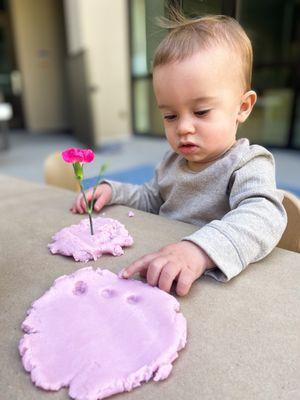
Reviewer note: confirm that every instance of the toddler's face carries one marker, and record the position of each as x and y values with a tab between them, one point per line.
200	99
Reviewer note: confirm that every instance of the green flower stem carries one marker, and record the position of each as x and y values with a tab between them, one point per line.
88	208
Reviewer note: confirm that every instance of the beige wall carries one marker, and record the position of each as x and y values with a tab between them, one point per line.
73	26
39	41
100	28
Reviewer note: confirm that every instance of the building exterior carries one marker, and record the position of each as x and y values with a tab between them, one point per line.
84	66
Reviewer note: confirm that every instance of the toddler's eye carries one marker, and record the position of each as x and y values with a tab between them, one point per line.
201	113
169	117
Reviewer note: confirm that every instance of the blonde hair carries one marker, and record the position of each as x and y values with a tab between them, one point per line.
187	36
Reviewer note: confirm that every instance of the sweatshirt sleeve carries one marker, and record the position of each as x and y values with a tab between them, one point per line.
142	197
254	224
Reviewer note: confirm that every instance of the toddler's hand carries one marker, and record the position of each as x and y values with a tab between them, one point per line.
183	261
101	197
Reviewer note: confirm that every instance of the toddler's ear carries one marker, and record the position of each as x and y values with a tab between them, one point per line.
248	101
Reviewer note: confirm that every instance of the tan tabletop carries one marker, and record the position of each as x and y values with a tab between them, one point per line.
243	336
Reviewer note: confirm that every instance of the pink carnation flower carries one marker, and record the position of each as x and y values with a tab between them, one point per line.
73	155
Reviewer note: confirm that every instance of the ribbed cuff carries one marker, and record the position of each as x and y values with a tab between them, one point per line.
221	250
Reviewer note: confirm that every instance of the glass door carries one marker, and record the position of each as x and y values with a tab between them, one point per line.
274	29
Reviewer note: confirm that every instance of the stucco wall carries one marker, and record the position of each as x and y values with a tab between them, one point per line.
39	42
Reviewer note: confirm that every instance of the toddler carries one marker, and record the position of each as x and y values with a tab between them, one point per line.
226	187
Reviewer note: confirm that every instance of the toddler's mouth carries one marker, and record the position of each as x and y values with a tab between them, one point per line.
187	148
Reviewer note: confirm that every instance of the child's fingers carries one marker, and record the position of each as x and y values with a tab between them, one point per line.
140	265
101	198
185	280
155	267
82	203
78	204
168	274
143	273
88	196
101	201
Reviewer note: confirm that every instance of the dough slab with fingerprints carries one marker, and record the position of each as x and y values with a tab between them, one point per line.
99	334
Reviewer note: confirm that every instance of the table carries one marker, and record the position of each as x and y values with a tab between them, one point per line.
243	336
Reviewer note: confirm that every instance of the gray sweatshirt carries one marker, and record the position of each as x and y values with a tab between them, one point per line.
233	201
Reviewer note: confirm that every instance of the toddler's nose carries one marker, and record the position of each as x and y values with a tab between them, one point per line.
185	127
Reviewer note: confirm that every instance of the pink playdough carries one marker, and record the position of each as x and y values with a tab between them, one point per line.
100	334
76	240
